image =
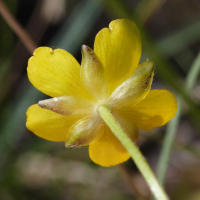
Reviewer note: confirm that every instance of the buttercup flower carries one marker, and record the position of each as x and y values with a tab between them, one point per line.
108	75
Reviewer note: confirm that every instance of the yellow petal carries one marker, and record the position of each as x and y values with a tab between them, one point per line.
84	132
135	88
119	49
92	74
108	151
155	110
68	105
129	127
55	72
48	124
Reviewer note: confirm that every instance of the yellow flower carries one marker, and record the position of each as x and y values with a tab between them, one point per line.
109	75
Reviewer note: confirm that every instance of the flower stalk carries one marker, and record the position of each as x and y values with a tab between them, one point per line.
135	153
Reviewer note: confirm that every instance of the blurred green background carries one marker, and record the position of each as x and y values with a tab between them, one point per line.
34	169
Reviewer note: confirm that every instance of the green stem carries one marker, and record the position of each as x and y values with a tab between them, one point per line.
135	153
168	144
173	124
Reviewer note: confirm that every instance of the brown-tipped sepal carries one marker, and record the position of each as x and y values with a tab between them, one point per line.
92	73
84	132
68	105
134	89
